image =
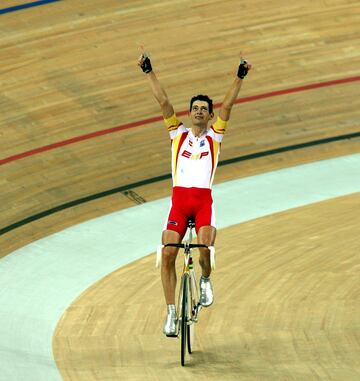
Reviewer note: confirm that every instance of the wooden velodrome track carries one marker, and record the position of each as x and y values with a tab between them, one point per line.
68	70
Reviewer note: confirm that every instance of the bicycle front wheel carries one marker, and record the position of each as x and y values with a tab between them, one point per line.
184	316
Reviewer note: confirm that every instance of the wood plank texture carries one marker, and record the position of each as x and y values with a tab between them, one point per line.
287	289
69	69
286	308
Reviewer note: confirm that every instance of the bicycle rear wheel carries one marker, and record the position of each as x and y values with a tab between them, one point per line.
184	317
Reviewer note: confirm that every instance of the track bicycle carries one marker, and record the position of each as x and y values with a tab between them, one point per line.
188	307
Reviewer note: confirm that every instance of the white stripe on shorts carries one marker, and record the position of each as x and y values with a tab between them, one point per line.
213	219
168	215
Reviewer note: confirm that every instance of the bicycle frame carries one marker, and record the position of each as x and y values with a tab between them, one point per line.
188	301
194	305
188	268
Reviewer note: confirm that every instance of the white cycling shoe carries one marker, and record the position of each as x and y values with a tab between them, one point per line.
206	292
170	325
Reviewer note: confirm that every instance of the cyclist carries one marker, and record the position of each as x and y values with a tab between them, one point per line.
195	153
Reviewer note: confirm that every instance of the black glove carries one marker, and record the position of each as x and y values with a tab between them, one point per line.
242	70
146	65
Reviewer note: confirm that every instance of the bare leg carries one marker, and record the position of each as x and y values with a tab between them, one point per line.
206	236
168	272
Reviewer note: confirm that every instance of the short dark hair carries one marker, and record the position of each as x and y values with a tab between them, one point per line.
203	98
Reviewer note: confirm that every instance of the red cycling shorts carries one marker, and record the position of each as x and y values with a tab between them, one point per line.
195	203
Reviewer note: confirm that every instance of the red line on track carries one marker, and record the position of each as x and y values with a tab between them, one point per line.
138	123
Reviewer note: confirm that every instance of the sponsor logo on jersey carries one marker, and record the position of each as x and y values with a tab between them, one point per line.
172	223
202	143
190	143
191	156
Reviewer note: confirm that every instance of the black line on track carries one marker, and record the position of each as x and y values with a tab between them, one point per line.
20	7
167	176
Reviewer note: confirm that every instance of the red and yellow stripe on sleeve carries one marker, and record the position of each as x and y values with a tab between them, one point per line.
172	123
219	126
214	149
176	146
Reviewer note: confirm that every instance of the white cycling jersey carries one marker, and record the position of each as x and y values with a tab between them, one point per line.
194	159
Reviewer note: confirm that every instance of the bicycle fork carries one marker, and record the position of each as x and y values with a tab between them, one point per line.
195	305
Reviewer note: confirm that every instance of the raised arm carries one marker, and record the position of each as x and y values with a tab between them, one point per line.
233	92
156	88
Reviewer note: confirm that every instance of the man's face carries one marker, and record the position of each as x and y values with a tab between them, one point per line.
199	114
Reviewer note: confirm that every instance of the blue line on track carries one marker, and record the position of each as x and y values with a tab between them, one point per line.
25	6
